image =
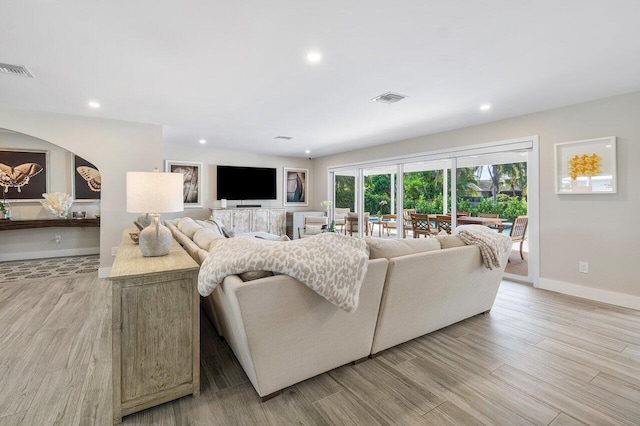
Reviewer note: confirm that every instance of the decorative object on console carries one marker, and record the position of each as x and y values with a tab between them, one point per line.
296	187
223	203
586	167
5	209
143	221
57	203
192	183
21	176
79	214
154	192
87	182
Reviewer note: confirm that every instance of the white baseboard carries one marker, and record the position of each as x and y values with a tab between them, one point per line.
104	272
8	257
599	295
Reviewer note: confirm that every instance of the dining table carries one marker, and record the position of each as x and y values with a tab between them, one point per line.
472	220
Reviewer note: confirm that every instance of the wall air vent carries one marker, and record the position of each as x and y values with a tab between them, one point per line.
286	138
19	70
389	98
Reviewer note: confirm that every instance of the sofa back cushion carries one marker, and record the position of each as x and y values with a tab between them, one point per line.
388	249
188	226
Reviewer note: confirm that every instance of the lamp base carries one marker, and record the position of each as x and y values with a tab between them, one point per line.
156	239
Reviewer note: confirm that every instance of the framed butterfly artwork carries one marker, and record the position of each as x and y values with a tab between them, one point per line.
86	181
24	174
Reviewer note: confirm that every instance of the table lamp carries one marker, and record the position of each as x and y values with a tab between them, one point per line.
154	193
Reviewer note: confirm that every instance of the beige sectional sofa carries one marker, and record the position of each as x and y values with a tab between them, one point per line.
282	332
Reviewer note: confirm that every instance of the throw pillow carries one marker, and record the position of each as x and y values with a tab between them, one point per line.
388	249
312	229
450	241
203	238
216	228
284	238
188	226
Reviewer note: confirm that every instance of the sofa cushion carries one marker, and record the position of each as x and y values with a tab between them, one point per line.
188	226
450	241
388	249
312	229
209	224
203	238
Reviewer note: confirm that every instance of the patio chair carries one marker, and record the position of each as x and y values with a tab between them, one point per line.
352	223
458	214
340	218
421	226
498	228
312	226
443	222
388	221
407	221
518	231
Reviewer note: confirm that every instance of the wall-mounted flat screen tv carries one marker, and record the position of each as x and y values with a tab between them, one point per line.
246	183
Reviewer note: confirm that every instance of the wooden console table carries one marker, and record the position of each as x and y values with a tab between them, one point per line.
8	224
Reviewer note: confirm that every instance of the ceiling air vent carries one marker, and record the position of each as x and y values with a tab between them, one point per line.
19	70
286	138
389	98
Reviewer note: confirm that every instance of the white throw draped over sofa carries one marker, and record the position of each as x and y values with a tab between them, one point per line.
282	332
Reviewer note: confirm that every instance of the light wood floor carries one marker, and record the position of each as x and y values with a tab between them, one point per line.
537	358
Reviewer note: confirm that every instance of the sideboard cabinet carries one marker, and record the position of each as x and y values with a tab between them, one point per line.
241	220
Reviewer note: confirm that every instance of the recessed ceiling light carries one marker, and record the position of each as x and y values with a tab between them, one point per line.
314	57
485	107
94	104
202	141
307	152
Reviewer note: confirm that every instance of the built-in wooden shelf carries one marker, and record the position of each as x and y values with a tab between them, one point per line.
9	225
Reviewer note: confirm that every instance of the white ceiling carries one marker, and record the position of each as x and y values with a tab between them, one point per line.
235	73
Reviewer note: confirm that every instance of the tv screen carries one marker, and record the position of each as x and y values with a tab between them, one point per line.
246	183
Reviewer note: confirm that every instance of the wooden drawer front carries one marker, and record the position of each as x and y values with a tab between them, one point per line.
157	345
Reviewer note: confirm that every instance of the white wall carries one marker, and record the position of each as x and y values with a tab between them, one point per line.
34	244
115	147
212	157
600	229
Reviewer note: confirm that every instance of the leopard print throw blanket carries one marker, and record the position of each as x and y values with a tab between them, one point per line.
333	265
493	245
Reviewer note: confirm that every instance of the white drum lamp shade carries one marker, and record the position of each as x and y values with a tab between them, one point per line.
155	192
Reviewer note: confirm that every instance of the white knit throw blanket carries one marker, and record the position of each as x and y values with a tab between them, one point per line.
493	245
333	265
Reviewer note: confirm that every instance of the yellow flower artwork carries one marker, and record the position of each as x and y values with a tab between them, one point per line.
585	165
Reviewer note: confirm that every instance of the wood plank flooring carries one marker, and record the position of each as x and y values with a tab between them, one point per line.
538	358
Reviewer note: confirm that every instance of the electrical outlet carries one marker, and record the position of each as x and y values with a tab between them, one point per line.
57	239
583	267
114	251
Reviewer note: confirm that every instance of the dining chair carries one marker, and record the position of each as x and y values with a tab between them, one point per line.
458	214
443	222
340	218
407	221
352	223
388	222
518	231
498	228
421	226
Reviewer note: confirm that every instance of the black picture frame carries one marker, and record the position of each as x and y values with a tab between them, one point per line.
24	174
87	182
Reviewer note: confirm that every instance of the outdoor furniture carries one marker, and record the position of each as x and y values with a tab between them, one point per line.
312	226
407	221
498	228
340	218
420	224
486	221
458	214
518	231
443	222
385	223
352	223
